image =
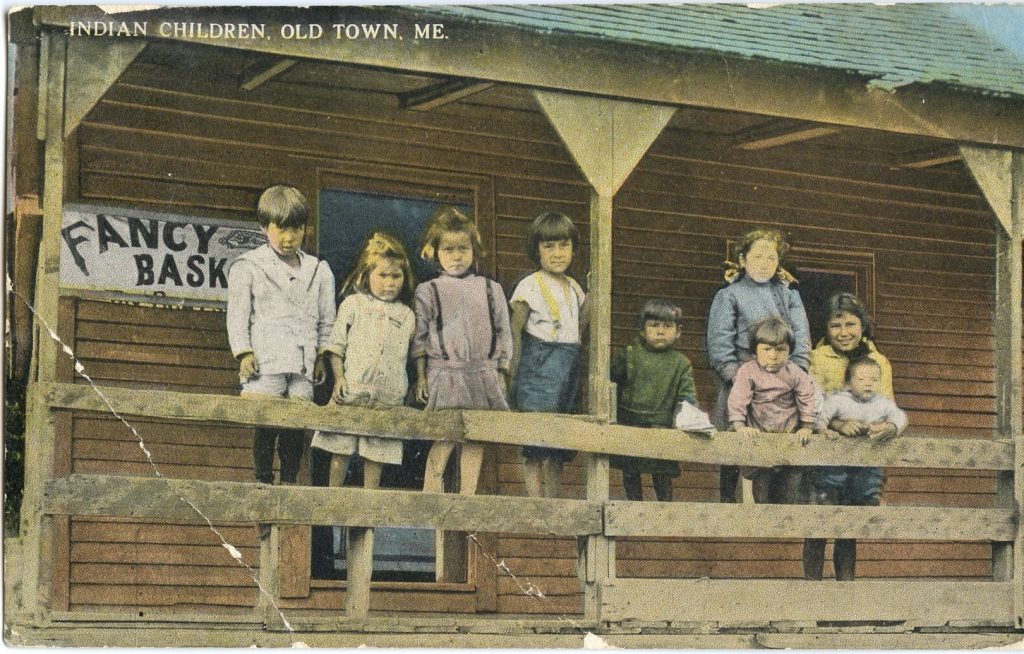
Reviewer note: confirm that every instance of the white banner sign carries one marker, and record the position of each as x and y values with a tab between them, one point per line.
143	253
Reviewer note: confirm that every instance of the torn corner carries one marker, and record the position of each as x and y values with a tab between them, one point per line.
593	641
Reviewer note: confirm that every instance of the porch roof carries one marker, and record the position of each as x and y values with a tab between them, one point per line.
891	46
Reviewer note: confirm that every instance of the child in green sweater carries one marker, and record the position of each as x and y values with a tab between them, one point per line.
653	378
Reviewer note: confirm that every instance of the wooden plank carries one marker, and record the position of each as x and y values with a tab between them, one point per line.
360	569
269	578
143	497
882	641
159	534
722	600
163	554
399	422
686	519
577	432
295	567
572	432
180	596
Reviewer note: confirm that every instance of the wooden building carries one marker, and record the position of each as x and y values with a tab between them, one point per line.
885	141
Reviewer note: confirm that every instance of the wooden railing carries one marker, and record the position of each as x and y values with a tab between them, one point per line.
596	521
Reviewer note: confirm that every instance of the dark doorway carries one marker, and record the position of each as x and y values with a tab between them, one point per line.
347	218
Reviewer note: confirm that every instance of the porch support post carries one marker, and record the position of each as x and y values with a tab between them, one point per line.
269	575
359	556
1000	175
606	138
94	65
40	431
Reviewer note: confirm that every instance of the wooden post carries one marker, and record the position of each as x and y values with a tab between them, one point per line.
599	298
37	529
270	573
359	555
606	138
1000	175
1010	410
596	554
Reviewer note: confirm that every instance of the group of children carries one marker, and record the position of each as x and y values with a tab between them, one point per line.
475	350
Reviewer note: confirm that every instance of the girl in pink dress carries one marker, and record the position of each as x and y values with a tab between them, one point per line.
463	340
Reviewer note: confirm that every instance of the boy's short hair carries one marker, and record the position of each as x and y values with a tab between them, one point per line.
282	205
857	363
662	310
550	226
772	331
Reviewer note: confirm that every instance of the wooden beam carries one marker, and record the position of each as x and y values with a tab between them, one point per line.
581	433
258	75
1008	333
603	67
401	422
36	528
442	93
28	233
990	168
762	600
1000	174
882	641
929	158
706	520
606	138
95	64
563	431
224	501
762	138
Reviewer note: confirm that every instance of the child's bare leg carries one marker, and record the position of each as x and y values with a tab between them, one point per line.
552	477
437	461
471	460
633	485
662	486
532	477
371	473
339	463
814	558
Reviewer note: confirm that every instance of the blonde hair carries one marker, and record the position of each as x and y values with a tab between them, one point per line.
380	246
449	219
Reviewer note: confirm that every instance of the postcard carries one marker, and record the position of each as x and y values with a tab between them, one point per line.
532	326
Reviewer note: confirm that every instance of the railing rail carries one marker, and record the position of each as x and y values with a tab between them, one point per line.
596	521
552	430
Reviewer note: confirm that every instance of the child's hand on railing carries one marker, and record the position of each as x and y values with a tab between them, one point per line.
804	434
421	390
743	430
319	371
339	390
881	431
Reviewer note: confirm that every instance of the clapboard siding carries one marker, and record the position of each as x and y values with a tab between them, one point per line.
166	139
160	141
